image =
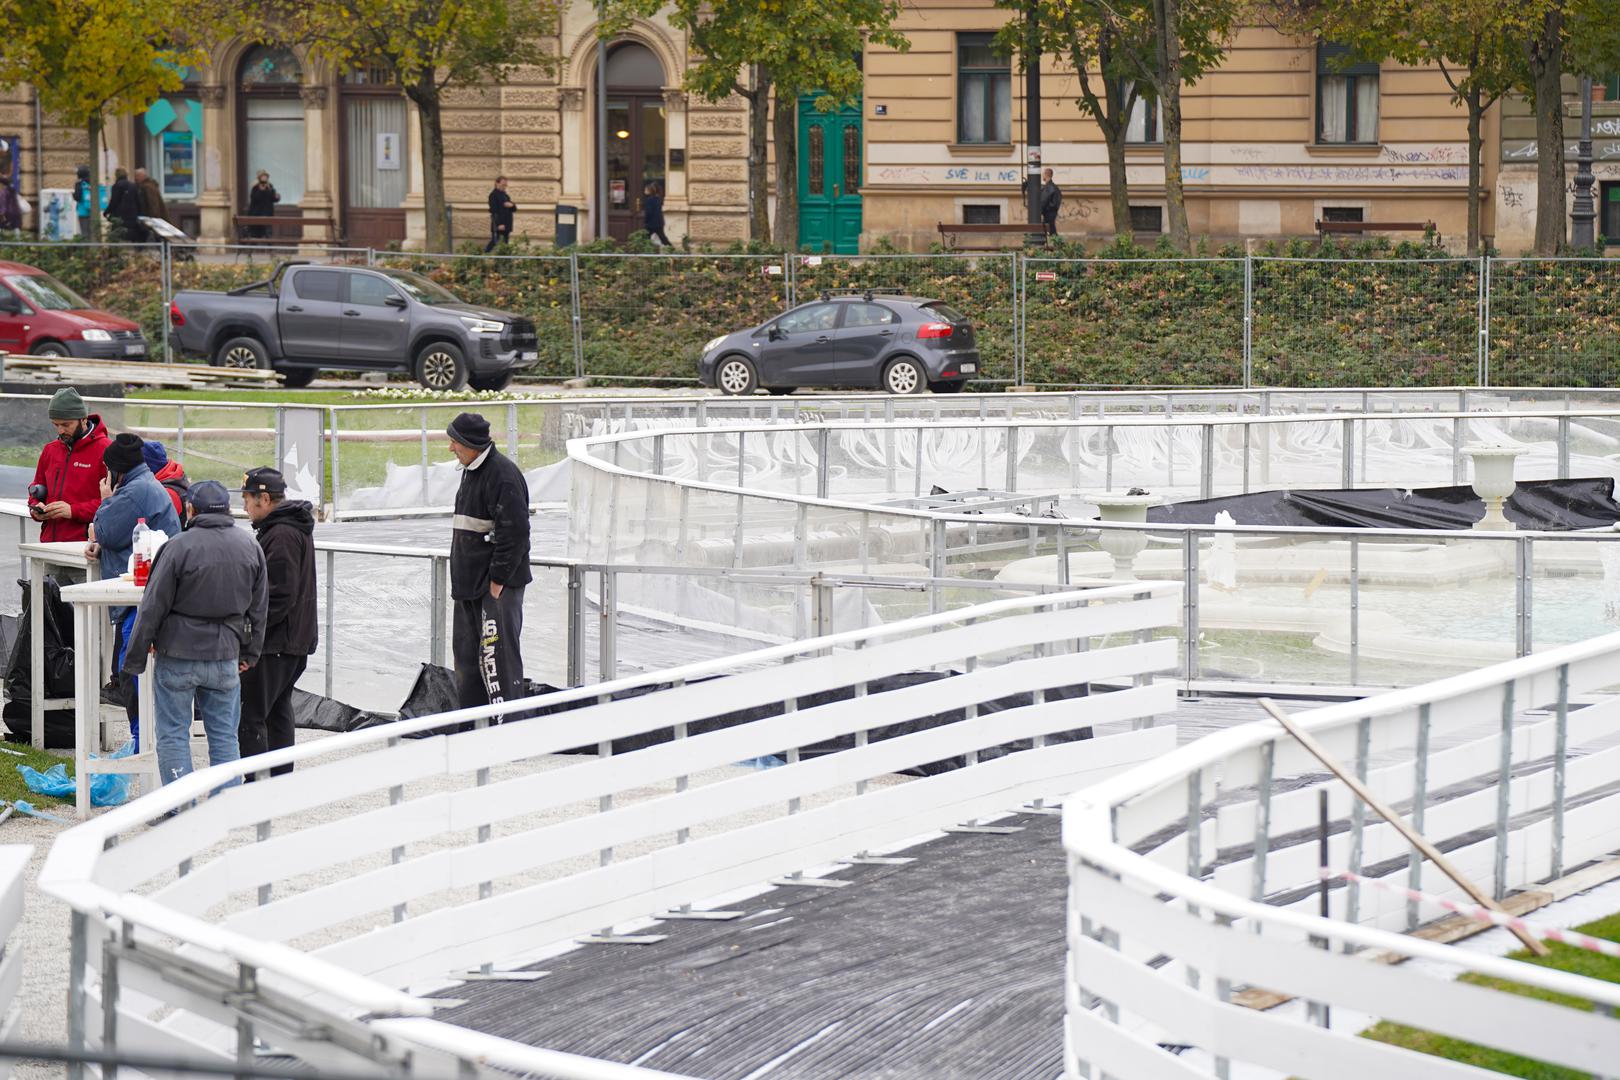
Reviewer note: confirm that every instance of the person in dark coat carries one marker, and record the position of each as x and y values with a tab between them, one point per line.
11	212
262	199
123	207
1051	201
149	197
489	566
286	531
203	613
652	212
171	474
502	212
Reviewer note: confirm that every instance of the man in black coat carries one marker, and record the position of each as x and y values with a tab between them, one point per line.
1051	201
286	533
501	215
489	566
124	206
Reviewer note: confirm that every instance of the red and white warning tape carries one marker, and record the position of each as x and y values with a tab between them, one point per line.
1483	914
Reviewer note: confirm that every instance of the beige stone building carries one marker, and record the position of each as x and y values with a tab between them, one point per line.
1274	140
344	149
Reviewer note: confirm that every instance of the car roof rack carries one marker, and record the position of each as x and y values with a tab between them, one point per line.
865	292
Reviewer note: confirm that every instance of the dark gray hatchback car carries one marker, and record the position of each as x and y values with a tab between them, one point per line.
901	344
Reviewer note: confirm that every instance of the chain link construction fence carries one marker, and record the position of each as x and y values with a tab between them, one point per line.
1255	321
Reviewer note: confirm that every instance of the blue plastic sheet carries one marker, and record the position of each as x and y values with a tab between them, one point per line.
106	789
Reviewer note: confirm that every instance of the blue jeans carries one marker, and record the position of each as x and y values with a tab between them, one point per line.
125	626
217	692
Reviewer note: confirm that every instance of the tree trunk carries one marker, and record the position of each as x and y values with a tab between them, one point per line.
1168	18
94	129
426	97
785	127
1546	54
1476	114
1119	191
759	184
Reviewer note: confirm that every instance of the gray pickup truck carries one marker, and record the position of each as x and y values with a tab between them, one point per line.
308	317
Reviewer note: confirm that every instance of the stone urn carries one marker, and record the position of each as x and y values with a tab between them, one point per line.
1493	482
1123	545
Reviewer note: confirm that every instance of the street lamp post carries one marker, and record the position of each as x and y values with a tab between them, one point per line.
1582	213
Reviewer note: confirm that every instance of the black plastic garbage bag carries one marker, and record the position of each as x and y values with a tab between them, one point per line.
58	657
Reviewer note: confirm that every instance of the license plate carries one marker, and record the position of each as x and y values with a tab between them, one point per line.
969	369
134	350
528	356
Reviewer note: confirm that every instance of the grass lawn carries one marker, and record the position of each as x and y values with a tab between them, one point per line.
1563	958
12	787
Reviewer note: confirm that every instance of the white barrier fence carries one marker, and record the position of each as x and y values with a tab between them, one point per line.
13	885
1194	883
254	914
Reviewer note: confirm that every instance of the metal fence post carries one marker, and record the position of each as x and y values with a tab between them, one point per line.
1348	439
1206	463
1560	755
168	298
437	605
332	421
823	438
1189	602
606	646
578	325
1523	571
1480	319
1485	325
576	626
1504	809
78	971
1248	320
331	580
791	272
512	430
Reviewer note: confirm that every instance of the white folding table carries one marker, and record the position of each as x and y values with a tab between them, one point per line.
90	603
70	554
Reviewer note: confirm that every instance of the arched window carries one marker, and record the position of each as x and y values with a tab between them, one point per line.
270	118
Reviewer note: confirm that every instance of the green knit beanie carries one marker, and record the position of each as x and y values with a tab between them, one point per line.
66	404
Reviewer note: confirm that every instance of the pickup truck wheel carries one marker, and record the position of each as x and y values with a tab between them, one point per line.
296	378
499	381
241	352
440	366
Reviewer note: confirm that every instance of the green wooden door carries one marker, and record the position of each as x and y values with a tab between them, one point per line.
829	178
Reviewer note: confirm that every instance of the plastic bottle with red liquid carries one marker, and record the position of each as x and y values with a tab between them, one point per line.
143	552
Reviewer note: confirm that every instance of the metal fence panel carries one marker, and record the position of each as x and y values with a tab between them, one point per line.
1132	322
1365	322
982	287
1553	322
647	316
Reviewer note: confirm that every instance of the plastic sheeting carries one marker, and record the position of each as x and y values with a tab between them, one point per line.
1542	505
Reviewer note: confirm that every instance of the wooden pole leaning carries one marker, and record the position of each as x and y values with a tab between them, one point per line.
1383	810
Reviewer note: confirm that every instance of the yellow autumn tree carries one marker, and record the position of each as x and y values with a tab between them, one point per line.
91	61
430	46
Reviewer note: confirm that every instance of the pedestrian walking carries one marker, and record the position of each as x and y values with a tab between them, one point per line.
262	199
652	212
1051	200
203	615
171	474
489	566
84	198
11	207
149	197
130	495
67	480
124	207
502	212
286	531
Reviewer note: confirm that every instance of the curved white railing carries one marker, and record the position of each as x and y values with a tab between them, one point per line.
465	837
13	888
1194	881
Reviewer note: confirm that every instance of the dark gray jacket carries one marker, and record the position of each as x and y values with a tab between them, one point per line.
206	599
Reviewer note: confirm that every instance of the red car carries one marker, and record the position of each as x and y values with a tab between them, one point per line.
39	316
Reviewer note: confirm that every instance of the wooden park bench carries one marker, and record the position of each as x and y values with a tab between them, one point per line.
1325	227
243	222
950	231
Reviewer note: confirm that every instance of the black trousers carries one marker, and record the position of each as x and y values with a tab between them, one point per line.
497	236
658	234
267	714
485	640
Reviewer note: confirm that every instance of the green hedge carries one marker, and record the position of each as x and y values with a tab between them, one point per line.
1361	314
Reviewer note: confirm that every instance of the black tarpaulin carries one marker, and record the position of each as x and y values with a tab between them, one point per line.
1538	505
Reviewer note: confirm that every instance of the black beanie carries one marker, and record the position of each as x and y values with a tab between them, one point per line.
470	430
124	453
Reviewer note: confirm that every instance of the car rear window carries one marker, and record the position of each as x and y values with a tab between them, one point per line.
317	284
946	312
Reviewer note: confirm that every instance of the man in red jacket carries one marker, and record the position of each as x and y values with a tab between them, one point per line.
70	470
